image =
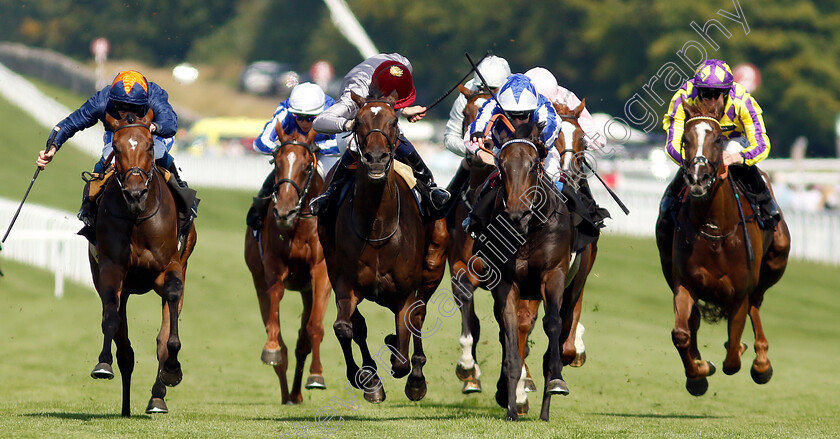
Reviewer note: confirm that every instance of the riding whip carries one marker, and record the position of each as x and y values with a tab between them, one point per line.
37	171
609	190
438	100
747	242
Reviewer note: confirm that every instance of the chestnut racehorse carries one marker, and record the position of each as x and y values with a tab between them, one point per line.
378	247
137	250
706	258
532	264
286	253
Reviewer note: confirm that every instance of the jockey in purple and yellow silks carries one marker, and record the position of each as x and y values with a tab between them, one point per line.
743	130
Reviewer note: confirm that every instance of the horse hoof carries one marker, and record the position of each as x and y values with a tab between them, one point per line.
271	357
415	389
761	378
522	409
375	396
579	360
697	387
171	379
156	405
558	387
529	384
471	386
315	381
102	371
463	373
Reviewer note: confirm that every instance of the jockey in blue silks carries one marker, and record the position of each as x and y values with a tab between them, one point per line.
306	101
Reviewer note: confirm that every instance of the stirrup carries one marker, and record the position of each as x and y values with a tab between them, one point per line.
320	204
439	197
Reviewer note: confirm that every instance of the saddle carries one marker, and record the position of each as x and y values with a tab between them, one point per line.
185	197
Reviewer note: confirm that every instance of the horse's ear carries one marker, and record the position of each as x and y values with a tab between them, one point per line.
360	101
392	98
281	135
464	90
111	122
690	110
560	108
310	139
579	109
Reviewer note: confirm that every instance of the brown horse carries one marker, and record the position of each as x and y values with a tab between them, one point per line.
137	251
379	248
706	257
467	271
532	264
286	253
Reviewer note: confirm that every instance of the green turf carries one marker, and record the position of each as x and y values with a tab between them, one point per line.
631	386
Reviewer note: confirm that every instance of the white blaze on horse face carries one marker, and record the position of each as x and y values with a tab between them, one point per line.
292	157
568	130
701	129
133	143
375	110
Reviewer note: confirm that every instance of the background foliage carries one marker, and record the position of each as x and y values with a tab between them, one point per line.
605	50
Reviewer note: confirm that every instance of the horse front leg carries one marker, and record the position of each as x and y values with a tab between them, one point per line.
125	357
109	287
736	320
466	369
168	341
553	294
315	324
761	370
275	352
415	386
505	300
527	315
683	335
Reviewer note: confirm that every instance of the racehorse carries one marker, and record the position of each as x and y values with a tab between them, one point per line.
466	271
137	250
707	258
379	248
532	264
286	253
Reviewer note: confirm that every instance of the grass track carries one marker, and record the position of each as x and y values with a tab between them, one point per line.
631	386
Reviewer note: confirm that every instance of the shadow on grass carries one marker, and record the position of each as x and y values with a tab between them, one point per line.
82	416
425	411
661	416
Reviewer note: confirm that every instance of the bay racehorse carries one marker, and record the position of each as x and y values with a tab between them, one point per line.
137	250
532	260
717	261
467	271
378	247
286	253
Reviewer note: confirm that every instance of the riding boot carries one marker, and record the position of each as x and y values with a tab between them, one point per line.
670	203
259	207
438	196
174	171
188	197
482	208
322	203
462	175
768	209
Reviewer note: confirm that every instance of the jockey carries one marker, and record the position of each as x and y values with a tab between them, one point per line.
306	101
546	84
523	104
743	130
386	73
128	93
495	71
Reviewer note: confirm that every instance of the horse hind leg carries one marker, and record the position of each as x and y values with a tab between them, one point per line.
466	369
761	370
415	386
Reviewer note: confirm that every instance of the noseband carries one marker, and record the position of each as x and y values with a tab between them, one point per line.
134	170
301	192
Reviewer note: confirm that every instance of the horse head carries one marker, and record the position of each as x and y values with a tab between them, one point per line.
520	163
571	140
134	157
376	133
475	100
295	172
702	145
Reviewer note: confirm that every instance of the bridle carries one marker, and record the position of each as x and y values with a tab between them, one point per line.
134	170
698	161
363	141
301	192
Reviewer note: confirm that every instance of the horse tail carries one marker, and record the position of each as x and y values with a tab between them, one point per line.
711	312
